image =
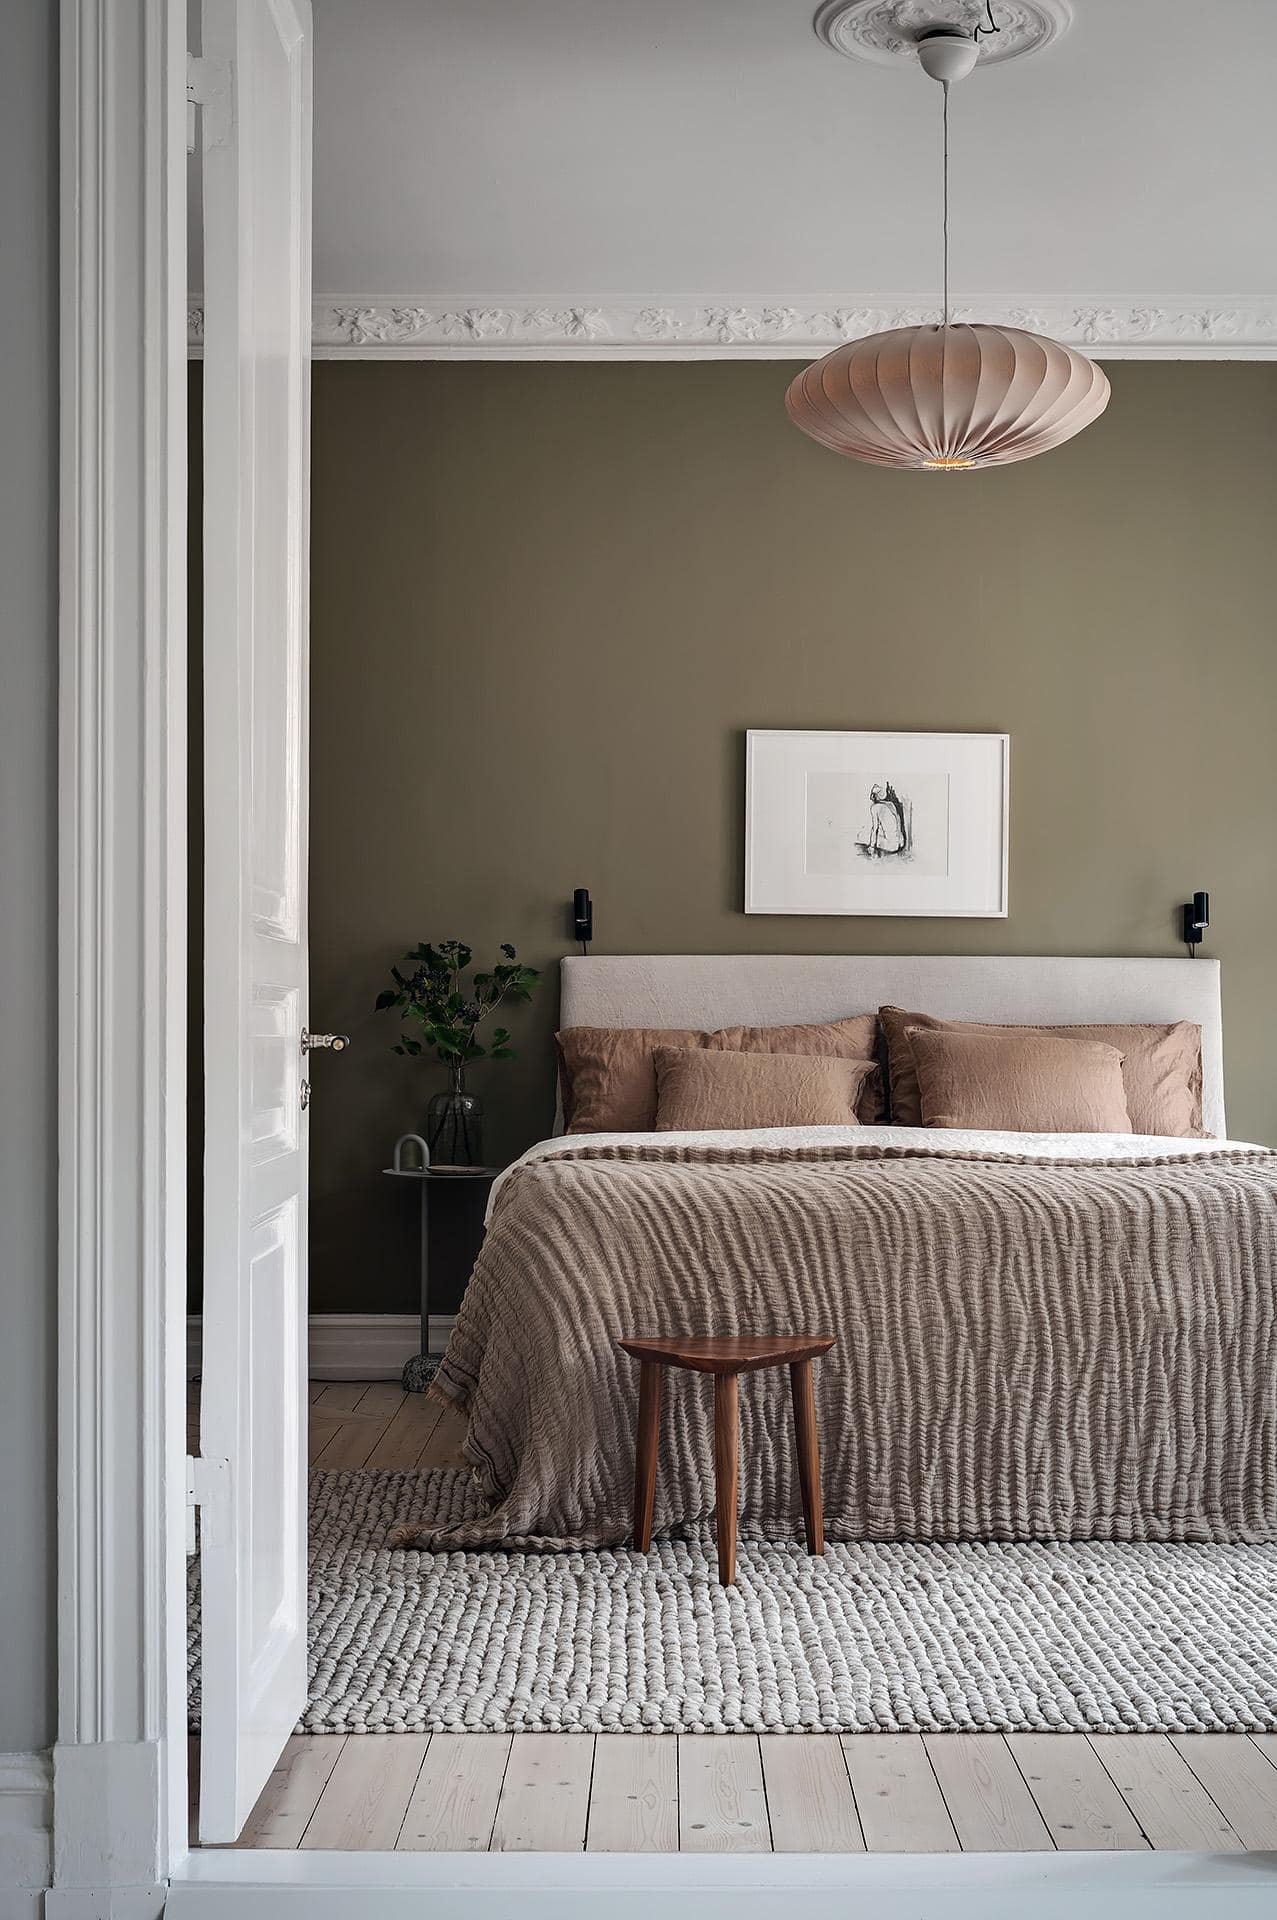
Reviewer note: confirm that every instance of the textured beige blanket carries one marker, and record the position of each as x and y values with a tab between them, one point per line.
1025	1349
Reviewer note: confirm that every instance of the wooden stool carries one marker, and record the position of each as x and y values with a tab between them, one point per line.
727	1358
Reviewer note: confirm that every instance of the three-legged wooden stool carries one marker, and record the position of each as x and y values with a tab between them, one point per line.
727	1358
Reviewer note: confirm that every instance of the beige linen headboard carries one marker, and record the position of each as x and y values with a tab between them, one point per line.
764	989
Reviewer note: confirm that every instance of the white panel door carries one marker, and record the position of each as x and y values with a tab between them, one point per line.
256	164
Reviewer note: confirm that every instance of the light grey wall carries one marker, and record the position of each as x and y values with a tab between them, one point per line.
28	856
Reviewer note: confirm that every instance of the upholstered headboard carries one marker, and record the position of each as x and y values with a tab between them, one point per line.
764	989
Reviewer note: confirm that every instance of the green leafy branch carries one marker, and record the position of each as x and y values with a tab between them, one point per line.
429	993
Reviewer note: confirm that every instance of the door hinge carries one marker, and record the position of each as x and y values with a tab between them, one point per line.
208	1485
208	86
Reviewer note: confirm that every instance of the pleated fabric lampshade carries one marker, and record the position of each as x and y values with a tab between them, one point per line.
947	398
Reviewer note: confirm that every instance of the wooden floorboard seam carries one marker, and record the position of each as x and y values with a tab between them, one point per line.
1155	1743
1206	1790
496	1811
319	1796
1015	1761
408	1802
1263	1751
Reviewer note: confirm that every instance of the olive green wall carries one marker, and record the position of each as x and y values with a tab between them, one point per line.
548	600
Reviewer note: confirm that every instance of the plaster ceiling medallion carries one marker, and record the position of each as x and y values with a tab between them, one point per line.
887	32
957	396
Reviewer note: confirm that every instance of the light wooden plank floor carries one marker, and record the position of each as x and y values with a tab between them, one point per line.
819	1793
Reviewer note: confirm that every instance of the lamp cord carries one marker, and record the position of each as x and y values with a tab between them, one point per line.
945	220
992	27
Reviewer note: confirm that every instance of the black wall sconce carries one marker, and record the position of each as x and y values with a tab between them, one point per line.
582	917
1196	921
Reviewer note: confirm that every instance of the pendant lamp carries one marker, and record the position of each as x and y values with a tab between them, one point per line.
953	397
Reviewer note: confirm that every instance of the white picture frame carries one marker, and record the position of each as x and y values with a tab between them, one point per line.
911	825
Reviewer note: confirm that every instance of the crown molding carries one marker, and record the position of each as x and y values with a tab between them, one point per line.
1203	328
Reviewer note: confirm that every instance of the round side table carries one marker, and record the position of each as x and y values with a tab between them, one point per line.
440	1187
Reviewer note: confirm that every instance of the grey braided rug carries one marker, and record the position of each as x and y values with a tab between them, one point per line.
871	1638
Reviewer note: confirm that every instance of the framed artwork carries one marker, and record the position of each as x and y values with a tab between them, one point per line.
898	823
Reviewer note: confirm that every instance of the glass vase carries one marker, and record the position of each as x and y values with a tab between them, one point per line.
454	1125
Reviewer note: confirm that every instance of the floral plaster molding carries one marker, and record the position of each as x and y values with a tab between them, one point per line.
1207	328
887	31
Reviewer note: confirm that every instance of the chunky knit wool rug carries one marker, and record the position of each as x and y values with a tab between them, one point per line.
871	1638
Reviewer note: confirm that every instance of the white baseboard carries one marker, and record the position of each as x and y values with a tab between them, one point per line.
26	1823
352	1346
245	1884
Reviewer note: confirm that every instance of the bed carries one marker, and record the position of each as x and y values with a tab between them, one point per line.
1062	1337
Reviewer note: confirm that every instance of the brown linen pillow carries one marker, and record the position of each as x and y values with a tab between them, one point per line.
1161	1067
852	1039
700	1089
608	1081
608	1076
1025	1082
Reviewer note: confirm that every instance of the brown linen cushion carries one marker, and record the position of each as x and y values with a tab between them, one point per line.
1161	1067
700	1089
1025	1082
608	1081
608	1076
852	1039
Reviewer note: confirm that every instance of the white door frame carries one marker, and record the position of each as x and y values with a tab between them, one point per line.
119	1805
120	1761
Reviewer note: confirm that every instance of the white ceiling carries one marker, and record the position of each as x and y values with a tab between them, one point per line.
715	149
621	153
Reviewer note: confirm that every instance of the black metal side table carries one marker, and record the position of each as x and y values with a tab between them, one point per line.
453	1202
